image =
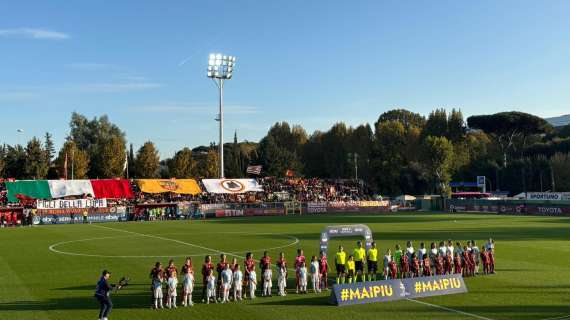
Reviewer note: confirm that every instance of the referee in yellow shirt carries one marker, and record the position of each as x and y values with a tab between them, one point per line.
359	260
340	261
372	262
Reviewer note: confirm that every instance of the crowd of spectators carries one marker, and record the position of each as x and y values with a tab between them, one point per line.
275	190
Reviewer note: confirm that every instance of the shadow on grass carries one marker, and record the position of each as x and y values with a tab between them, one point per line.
497	233
305	301
347	218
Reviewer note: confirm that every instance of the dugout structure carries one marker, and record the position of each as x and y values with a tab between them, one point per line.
350	230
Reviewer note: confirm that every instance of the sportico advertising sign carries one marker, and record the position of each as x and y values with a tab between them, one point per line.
396	289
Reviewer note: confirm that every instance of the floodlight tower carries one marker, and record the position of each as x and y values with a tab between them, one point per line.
220	68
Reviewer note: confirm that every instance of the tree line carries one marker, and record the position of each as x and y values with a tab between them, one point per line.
403	152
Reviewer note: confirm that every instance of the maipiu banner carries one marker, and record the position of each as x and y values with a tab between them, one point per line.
232	185
71	204
396	289
180	186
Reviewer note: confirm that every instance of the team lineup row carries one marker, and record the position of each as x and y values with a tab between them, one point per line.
230	280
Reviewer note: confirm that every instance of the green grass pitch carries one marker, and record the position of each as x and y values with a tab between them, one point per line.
532	253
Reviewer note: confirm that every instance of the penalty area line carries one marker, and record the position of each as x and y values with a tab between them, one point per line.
449	309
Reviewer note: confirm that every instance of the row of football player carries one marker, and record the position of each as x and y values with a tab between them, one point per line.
231	280
445	259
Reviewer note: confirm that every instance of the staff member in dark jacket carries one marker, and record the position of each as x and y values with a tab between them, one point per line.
102	293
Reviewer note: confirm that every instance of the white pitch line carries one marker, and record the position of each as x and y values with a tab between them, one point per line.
451	310
55	245
558	318
186	243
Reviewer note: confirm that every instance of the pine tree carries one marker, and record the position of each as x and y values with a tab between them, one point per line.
49	148
147	162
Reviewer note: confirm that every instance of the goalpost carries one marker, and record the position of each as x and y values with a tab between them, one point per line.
350	230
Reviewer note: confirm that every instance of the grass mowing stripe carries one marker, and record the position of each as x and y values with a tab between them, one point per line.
168	239
186	243
452	310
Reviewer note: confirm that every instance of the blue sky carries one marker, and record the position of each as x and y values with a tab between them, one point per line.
313	63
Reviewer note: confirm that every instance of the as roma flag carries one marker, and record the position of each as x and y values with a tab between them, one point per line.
289	173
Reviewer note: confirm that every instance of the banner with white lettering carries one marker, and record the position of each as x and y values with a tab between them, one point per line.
552	196
71	204
232	185
396	289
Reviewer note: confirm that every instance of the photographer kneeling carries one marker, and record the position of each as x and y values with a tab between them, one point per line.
103	294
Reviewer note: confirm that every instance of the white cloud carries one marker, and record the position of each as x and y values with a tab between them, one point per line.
33	33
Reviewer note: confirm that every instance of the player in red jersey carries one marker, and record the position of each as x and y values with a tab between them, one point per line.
220	267
491	260
187	266
8	217
471	264
234	265
448	263
393	269
281	261
405	266
465	259
248	266
299	260
264	264
427	266
206	268
323	271
457	263
439	265
415	265
171	268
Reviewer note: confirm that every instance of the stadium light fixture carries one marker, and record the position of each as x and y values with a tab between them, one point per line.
221	68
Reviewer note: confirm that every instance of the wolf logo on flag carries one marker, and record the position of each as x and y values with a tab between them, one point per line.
232	185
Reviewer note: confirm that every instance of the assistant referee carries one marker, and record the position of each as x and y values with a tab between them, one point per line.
359	259
372	262
340	261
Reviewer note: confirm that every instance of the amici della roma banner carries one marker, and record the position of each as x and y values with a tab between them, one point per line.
396	289
232	185
54	189
180	186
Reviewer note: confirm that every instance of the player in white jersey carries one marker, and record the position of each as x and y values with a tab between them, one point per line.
227	278
450	248
267	282
315	277
303	278
211	287
282	279
442	249
252	282
157	291
188	287
422	253
237	283
476	253
172	284
387	260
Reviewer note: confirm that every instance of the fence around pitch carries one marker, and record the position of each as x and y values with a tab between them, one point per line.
514	207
